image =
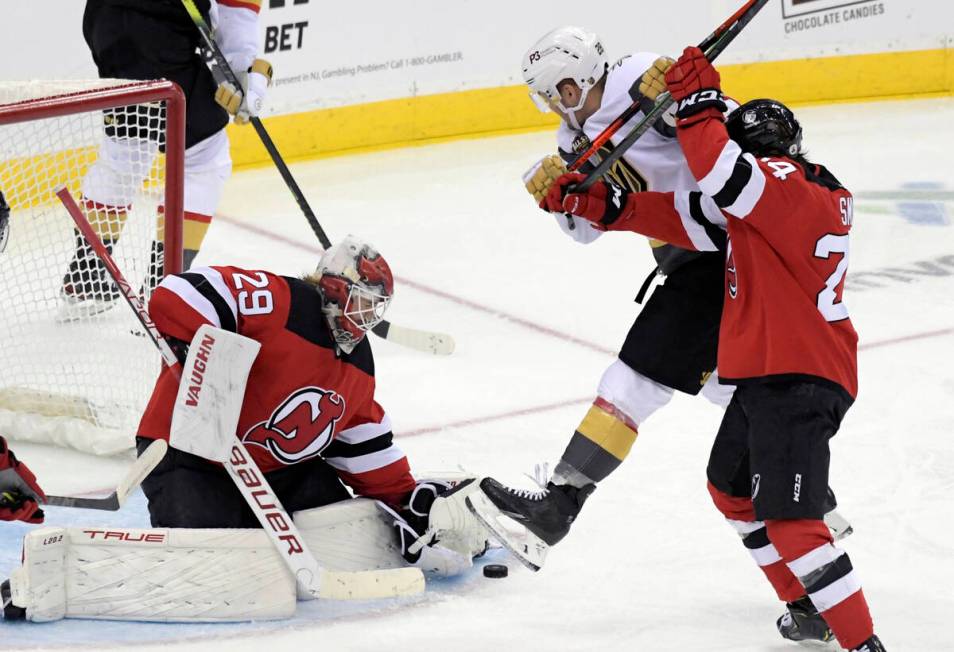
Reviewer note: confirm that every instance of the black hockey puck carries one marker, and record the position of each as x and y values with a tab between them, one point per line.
495	570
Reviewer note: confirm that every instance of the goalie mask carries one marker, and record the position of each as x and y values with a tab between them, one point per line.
765	128
565	53
356	286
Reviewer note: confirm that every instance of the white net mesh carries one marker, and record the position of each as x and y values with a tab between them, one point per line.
76	369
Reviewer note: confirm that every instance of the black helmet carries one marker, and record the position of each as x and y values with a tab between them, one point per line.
765	127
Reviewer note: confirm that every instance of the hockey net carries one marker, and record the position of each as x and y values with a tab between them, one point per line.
76	369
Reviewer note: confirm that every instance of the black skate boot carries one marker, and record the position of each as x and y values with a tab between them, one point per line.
10	611
802	622
873	644
87	287
547	513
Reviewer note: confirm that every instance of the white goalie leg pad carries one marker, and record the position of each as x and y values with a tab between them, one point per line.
166	575
352	535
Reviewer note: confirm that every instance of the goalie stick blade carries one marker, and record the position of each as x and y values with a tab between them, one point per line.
370	585
529	549
426	341
142	467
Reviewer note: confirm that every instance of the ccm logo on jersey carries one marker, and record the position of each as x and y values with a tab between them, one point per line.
301	427
119	535
197	373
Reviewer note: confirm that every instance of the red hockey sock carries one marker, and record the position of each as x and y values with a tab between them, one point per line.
827	575
741	515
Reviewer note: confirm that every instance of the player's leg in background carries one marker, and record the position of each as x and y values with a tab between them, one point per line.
124	159
207	167
789	428
128	44
672	345
207	160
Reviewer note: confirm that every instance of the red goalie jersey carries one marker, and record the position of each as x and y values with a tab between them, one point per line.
302	400
786	262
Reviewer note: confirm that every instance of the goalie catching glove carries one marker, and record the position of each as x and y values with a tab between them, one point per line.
20	495
247	101
435	531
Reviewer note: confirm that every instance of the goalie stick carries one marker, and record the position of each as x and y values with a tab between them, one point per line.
142	467
712	45
312	579
426	341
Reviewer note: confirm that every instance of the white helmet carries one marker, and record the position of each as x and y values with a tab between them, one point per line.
356	286
565	53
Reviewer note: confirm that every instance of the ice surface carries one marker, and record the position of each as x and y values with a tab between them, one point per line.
650	565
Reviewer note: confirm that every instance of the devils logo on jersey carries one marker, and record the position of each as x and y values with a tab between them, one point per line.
301	427
730	276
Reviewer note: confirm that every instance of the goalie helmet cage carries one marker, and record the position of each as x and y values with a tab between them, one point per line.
76	369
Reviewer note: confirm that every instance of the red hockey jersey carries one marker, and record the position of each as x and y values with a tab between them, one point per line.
301	400
786	262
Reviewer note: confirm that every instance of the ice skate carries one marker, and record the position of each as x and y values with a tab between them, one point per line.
528	522
802	622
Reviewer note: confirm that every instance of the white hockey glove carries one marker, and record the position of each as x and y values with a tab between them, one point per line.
247	101
433	533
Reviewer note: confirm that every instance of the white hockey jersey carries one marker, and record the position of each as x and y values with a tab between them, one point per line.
654	162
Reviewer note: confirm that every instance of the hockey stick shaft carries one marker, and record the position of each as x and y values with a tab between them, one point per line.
633	108
436	343
259	496
128	293
713	45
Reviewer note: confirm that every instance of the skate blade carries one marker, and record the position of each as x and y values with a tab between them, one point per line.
529	549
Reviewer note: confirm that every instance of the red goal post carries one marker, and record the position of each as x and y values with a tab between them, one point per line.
75	369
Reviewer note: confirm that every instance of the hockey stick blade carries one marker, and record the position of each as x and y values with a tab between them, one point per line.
529	549
371	585
428	342
142	467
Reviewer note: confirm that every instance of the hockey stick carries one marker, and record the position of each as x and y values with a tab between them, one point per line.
436	343
713	45
219	444
142	467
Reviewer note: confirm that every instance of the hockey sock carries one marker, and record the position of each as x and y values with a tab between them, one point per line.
827	575
740	514
194	228
600	444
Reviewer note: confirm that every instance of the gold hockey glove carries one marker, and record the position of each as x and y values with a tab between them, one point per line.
541	176
653	81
